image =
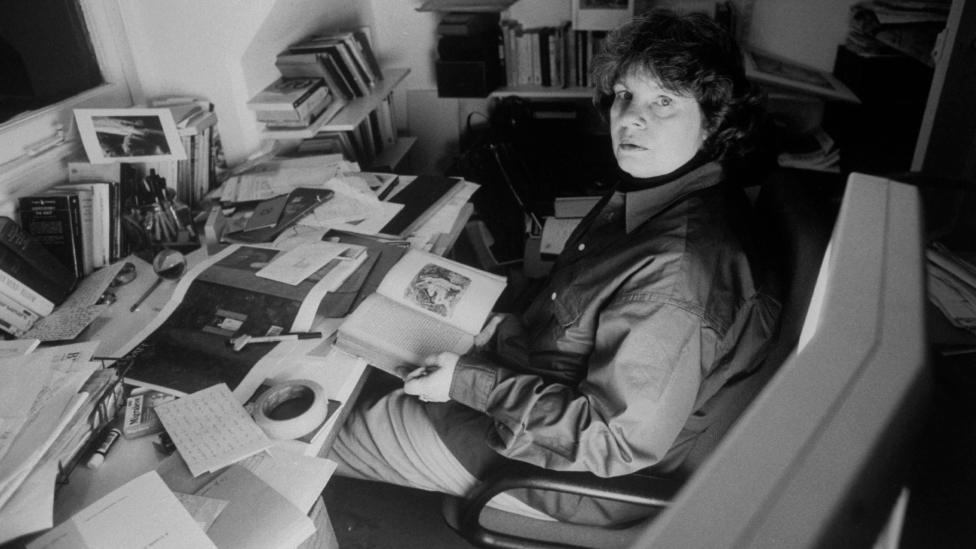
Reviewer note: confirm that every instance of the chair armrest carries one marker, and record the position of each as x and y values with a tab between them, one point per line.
637	489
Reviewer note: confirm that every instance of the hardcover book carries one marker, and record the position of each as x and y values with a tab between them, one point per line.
26	259
425	304
293	65
293	95
300	202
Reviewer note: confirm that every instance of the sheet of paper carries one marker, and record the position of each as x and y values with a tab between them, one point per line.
211	429
299	478
17	347
21	383
374	223
204	510
66	323
141	513
91	288
258	516
347	204
31	507
294	266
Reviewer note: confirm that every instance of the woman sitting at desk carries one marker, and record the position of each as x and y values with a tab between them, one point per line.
651	308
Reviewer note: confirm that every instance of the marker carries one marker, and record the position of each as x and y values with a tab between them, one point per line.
99	456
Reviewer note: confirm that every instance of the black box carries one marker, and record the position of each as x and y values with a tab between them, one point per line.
467	78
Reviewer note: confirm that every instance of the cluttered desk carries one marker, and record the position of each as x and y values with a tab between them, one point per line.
228	381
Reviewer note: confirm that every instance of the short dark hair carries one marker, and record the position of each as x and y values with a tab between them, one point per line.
692	55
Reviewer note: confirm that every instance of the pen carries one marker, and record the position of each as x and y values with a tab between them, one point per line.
241	341
99	456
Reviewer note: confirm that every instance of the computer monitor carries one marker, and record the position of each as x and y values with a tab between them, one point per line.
819	458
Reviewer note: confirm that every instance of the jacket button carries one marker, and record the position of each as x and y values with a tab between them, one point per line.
581	247
553	296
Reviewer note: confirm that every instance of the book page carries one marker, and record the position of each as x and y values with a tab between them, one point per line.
388	334
141	513
446	290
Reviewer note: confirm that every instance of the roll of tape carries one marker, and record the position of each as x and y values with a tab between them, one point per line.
294	427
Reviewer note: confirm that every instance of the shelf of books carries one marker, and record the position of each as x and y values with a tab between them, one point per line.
544	92
350	116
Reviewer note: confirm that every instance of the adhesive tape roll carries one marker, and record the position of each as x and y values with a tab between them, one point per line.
299	425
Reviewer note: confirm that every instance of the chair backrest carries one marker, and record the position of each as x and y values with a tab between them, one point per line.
795	212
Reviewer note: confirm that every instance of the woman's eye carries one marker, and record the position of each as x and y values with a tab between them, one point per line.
622	94
664	101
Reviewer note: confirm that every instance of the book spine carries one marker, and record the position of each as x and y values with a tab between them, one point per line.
77	236
352	71
15	319
24	294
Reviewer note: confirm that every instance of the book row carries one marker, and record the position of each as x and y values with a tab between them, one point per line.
319	76
551	56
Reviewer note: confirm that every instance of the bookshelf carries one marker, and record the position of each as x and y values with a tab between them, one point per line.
350	116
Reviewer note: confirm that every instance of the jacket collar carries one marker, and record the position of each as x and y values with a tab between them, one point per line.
641	205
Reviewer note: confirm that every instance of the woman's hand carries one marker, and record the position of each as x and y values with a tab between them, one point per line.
432	381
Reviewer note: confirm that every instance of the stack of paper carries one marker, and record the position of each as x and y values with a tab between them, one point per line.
40	395
274	176
952	286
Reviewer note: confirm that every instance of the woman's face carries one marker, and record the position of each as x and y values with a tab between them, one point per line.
653	131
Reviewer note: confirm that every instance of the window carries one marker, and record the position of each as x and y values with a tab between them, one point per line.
100	77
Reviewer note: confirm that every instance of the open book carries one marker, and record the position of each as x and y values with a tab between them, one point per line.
426	304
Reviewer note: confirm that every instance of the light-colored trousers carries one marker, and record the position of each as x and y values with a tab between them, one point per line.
393	440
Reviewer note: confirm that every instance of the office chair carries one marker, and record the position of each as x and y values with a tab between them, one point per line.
795	216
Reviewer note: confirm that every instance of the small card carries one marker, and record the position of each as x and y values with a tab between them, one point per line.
267	213
294	266
211	429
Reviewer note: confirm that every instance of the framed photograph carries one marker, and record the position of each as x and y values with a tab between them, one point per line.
129	135
601	15
767	68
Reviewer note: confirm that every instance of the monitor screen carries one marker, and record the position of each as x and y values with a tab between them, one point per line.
820	456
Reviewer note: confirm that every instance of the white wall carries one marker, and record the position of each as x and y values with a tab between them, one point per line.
224	50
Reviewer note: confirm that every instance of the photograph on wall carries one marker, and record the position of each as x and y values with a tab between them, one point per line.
769	69
129	135
601	15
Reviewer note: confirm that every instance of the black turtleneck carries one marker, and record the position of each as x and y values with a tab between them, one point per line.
628	183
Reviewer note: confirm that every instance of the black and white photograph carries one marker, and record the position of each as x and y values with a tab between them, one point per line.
601	274
129	135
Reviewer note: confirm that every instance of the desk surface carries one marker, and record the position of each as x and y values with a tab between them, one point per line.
117	331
